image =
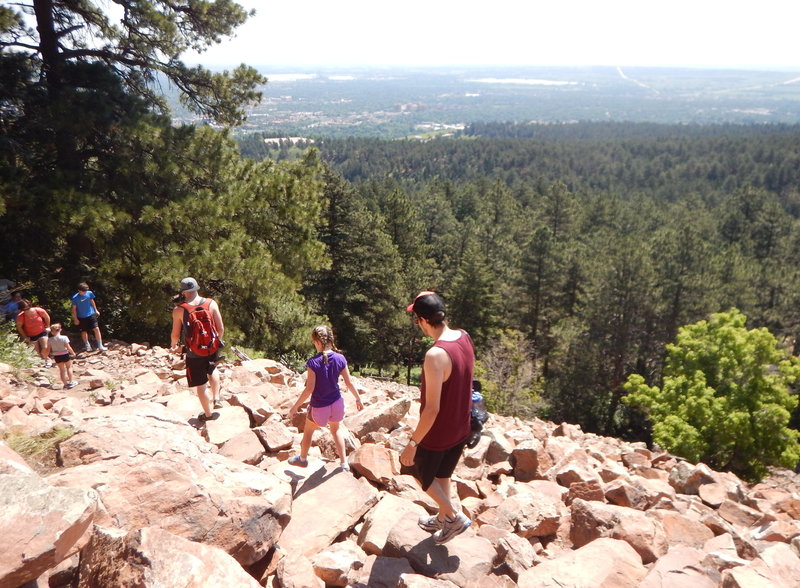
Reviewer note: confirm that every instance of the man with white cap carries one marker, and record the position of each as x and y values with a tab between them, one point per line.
200	369
436	444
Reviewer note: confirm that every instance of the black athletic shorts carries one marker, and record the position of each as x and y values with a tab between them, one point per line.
430	464
199	368
87	323
64	358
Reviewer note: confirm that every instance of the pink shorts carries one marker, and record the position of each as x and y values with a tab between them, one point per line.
334	413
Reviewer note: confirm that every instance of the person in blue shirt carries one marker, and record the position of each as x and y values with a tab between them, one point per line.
85	315
327	405
11	308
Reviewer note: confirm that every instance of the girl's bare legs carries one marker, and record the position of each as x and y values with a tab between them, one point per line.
338	441
62	372
308	433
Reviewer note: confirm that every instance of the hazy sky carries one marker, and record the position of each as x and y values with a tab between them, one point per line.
700	33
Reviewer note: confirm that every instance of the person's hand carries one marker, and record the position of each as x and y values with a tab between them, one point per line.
175	348
292	412
407	457
359	405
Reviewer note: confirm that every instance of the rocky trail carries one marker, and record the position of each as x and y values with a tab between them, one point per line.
138	492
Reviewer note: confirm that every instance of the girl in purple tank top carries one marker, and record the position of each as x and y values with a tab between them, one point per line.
322	386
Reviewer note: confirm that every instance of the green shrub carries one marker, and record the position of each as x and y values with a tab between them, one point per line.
13	351
725	398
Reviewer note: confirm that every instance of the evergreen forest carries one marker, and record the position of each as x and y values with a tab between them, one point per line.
572	253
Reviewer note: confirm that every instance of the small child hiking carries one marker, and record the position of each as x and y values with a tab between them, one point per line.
62	353
327	405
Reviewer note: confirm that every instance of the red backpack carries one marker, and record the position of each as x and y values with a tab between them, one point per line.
198	327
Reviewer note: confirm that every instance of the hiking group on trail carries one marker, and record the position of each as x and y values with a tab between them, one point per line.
434	448
33	326
444	428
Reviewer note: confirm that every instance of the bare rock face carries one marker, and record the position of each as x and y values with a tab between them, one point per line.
296	571
386	572
470	564
339	564
681	530
532	516
229	422
40	525
550	505
329	502
375	462
375	417
682	566
379	521
12	462
274	435
604	563
777	567
153	557
245	447
592	520
530	460
172	479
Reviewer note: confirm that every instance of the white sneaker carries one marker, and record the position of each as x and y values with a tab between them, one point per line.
451	528
100	347
431	524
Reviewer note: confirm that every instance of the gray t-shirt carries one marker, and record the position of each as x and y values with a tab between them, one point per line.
58	345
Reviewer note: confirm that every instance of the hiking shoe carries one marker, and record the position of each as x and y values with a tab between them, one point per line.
203	418
430	524
451	528
70	385
87	347
48	363
298	461
100	347
345	466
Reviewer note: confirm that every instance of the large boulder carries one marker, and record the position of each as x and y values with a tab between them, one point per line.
171	478
681	566
12	462
40	525
375	417
153	557
465	560
379	521
777	567
326	504
592	520
375	462
603	563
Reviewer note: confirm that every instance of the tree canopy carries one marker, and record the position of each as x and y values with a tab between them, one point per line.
140	41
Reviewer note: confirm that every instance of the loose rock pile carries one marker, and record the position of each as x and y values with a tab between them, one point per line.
144	494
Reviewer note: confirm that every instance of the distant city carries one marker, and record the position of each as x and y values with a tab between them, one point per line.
422	102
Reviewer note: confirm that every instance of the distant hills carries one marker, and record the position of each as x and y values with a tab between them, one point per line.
423	101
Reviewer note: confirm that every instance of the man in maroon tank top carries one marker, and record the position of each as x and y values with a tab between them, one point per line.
436	444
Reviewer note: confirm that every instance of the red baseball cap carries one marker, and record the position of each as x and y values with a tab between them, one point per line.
426	305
